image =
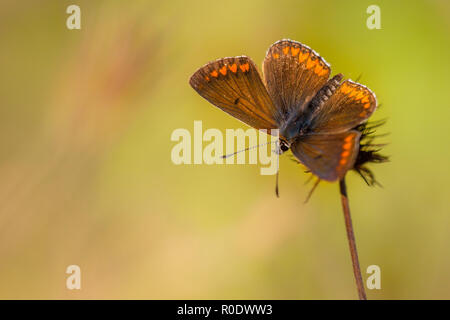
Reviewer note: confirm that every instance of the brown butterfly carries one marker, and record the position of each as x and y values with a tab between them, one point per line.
315	114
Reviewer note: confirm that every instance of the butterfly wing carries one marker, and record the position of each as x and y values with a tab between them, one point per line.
235	86
328	156
350	105
293	74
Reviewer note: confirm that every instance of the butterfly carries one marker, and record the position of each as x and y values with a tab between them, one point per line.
316	115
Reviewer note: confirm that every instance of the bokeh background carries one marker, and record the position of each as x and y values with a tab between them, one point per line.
87	178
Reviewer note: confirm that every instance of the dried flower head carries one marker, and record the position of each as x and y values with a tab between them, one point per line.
369	152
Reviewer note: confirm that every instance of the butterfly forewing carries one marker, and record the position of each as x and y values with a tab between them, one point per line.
293	74
327	156
235	86
350	105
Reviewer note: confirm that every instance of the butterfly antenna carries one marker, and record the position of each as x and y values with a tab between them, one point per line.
246	149
359	77
312	190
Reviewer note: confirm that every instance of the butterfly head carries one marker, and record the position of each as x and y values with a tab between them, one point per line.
283	146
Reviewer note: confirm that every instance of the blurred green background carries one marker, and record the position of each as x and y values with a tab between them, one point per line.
87	179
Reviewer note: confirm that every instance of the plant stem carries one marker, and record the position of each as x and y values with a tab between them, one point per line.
351	240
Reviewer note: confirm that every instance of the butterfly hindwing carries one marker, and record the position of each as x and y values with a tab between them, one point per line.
350	105
328	156
293	74
235	86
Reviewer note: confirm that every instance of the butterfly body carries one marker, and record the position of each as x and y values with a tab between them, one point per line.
302	123
314	114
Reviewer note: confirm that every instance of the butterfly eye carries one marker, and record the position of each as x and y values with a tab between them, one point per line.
284	147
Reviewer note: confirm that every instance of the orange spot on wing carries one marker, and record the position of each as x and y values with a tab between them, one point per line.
345	88
276	55
214	74
353	92
363	114
207	78
302	56
311	63
348	138
318	69
244	67
343	161
360	95
345	154
367	106
295	51
347	146
223	70
286	50
365	99
233	67
324	71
